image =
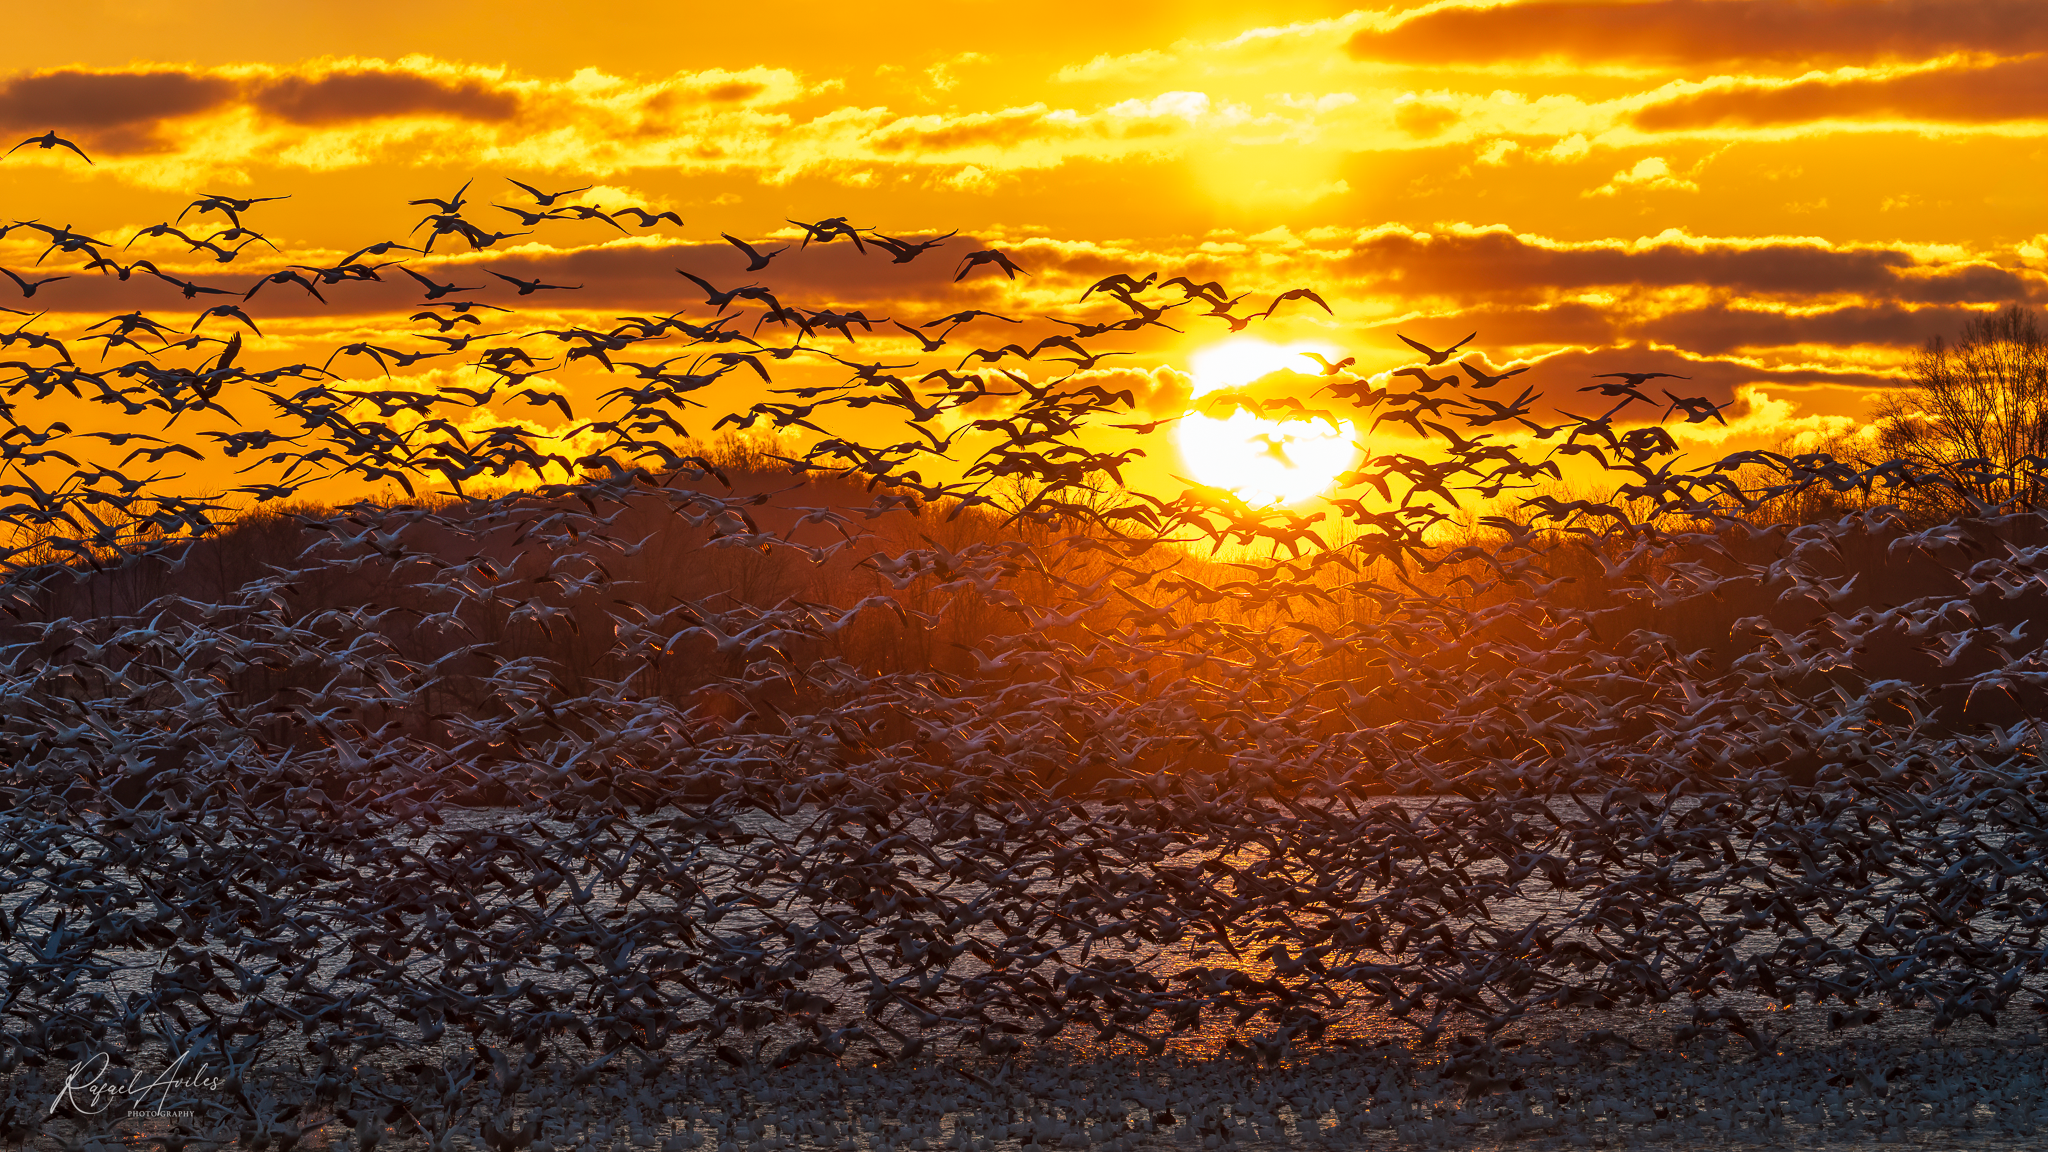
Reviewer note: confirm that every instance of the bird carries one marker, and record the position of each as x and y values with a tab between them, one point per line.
227	311
1484	380
454	203
380	248
1121	284
1626	390
1307	294
1211	291
49	140
1696	411
230	206
187	288
925	343
1436	357
434	289
164	229
904	251
544	199
646	219
826	230
28	287
529	219
288	276
988	256
958	318
586	212
756	259
529	287
1276	449
1425	382
1637	379
1330	369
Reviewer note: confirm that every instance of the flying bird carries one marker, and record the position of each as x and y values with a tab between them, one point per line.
226	311
959	318
904	251
436	290
974	260
288	276
930	344
529	287
231	207
1636	379
49	140
1426	382
1483	380
1307	294
1436	357
646	219
454	203
544	199
1696	410
756	259
824	231
28	287
380	248
1211	291
187	287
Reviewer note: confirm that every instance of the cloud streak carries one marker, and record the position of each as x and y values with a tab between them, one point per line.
350	95
2002	91
1464	262
1707	31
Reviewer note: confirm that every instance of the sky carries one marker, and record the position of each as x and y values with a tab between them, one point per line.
1780	200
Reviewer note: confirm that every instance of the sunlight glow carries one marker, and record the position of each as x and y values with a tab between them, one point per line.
1264	461
1239	361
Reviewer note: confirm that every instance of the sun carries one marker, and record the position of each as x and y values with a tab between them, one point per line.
1263	461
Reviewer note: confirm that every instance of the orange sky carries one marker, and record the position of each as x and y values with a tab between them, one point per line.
1779	200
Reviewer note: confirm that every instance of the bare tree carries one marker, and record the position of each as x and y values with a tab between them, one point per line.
1976	413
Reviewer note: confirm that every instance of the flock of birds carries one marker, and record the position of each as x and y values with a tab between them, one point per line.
386	867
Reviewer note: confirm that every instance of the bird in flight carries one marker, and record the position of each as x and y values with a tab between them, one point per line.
1277	449
1309	295
756	259
904	251
1696	410
228	311
1631	383
825	230
231	207
1637	379
454	203
930	344
974	260
648	219
28	287
529	287
1436	357
1330	369
435	290
544	199
1482	380
49	140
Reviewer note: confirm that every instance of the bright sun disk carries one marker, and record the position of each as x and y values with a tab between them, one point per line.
1263	461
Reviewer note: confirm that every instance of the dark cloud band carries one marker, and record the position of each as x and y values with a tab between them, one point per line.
1701	31
2009	90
